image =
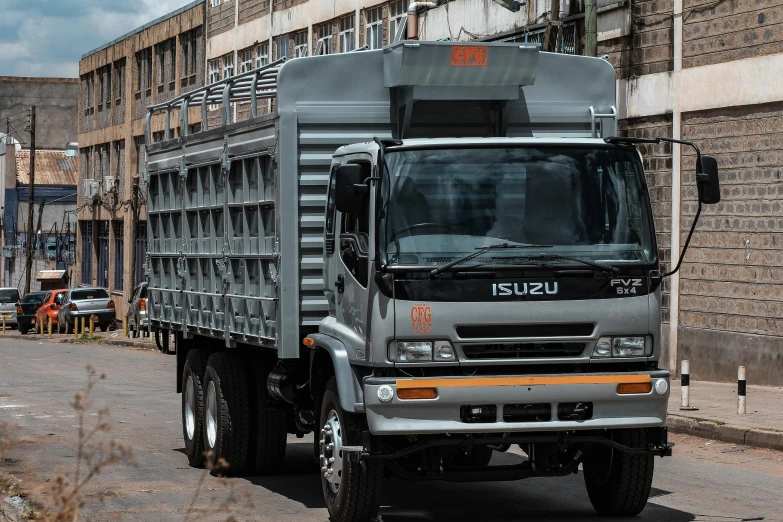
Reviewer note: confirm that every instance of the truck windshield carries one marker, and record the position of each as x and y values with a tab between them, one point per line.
584	202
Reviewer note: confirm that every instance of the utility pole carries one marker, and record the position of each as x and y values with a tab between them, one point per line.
552	28
591	28
30	198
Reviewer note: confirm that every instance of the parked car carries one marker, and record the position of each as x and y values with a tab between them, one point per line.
86	302
50	307
137	311
26	311
8	299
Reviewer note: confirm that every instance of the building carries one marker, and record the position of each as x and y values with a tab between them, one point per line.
118	81
56	102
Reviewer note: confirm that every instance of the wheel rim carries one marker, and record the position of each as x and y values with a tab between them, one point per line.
331	445
211	415
190	408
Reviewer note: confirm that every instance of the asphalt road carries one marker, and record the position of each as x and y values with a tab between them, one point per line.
706	481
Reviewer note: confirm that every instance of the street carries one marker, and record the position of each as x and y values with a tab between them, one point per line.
707	481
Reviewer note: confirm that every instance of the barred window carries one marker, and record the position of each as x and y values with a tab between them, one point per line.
262	55
347	40
374	28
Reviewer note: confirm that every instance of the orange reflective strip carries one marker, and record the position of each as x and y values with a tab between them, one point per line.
521	381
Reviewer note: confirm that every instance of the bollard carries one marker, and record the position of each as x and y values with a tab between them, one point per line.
50	327
75	327
92	325
84	327
3	324
125	327
685	385
40	328
741	391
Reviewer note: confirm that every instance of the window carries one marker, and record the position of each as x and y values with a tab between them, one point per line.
119	255
262	55
324	33
300	41
83	295
354	239
214	71
215	3
228	66
192	59
86	230
397	16
330	203
283	45
374	28
246	61
144	66
140	252
346	34
119	81
103	254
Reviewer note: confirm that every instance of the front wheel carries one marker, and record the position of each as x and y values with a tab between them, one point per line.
619	484
352	490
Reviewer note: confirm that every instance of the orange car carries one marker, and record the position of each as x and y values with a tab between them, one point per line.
50	307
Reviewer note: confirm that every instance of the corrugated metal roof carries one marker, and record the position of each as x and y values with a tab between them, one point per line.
51	168
51	275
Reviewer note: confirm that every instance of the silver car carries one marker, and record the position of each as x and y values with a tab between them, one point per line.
8	299
84	303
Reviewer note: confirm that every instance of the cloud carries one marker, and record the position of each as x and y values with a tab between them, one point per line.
48	37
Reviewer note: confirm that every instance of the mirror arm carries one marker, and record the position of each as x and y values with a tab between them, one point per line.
687	242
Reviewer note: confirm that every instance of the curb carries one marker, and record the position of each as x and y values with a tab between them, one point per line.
726	432
124	342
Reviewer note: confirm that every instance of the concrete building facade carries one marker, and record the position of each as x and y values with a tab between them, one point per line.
118	81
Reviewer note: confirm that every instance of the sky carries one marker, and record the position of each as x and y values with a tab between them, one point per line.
49	37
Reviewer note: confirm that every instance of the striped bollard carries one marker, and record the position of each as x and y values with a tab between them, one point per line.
741	391
685	385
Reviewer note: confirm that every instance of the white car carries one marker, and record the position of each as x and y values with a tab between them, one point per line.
8	299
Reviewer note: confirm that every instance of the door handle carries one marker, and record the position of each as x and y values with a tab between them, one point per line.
340	284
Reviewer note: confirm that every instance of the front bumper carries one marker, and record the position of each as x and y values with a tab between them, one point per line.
442	415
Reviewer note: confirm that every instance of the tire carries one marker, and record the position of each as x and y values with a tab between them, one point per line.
619	484
23	330
226	414
68	327
269	432
193	407
104	326
357	496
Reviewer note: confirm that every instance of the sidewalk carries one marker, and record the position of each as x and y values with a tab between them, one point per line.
112	337
717	417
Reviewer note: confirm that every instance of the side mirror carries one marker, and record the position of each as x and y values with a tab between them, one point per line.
349	191
707	181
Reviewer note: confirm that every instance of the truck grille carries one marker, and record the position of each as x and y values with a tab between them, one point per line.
522	350
495	331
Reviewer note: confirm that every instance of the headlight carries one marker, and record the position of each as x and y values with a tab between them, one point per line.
443	351
620	347
628	347
421	351
411	351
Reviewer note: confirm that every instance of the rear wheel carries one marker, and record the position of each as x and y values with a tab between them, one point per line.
226	414
193	407
619	484
351	490
104	327
23	329
68	327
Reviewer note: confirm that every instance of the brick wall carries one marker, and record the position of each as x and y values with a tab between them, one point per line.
252	9
716	32
280	5
649	49
221	18
657	167
725	285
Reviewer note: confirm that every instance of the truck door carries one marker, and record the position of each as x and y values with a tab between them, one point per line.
348	267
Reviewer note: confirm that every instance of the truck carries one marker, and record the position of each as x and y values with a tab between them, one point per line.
422	255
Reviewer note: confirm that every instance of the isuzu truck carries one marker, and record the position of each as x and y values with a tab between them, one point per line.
423	255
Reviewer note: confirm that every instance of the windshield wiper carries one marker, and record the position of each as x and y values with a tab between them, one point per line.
483	250
557	257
